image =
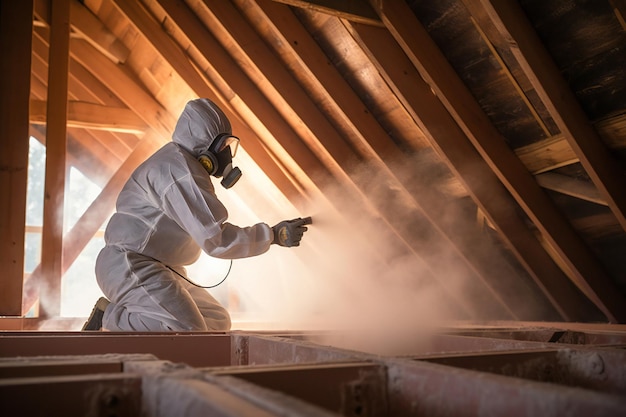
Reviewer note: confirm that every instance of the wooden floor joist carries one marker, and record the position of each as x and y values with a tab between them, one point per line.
533	368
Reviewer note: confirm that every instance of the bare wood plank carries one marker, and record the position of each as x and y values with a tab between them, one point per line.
15	43
92	116
357	11
570	186
539	67
586	270
547	154
180	62
56	147
484	187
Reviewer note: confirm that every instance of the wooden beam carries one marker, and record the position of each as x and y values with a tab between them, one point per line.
181	63
570	186
92	116
482	184
56	148
357	11
16	19
124	85
587	271
88	27
95	32
546	78
81	140
370	137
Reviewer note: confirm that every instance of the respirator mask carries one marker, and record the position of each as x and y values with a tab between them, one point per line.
218	159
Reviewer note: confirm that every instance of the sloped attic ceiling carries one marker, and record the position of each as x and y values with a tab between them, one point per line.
482	134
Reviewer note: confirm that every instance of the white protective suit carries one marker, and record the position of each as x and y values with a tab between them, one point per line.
166	214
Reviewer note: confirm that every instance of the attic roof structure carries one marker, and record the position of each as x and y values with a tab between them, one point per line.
463	161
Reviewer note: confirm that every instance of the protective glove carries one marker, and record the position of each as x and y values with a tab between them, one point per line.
289	232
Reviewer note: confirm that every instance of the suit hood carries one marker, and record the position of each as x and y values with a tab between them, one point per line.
199	124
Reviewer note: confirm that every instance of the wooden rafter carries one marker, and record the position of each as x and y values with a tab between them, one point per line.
353	10
482	184
280	88
125	86
619	8
539	67
555	152
586	270
373	139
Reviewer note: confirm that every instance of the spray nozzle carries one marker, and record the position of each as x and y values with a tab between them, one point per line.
307	220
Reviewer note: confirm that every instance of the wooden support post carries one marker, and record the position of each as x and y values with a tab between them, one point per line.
56	145
16	19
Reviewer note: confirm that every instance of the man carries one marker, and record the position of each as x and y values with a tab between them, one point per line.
167	213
